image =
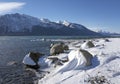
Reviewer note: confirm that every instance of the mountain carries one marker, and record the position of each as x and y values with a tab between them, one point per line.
106	33
21	24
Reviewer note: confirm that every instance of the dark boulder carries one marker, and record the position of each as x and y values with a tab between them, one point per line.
65	47
107	40
35	56
56	49
31	60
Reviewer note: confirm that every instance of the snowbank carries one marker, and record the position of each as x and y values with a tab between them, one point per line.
106	64
76	61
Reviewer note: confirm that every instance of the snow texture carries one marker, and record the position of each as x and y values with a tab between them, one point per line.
106	62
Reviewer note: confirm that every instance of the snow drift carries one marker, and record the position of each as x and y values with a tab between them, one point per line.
105	65
77	60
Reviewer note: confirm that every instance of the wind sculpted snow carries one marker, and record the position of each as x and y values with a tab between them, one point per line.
105	65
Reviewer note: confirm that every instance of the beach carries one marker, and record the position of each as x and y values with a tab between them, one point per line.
105	65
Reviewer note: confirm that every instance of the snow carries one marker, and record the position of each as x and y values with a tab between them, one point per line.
27	60
18	22
21	23
66	23
106	62
45	20
71	25
76	61
74	25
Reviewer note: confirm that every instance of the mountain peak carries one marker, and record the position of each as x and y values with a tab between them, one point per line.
13	23
66	23
45	20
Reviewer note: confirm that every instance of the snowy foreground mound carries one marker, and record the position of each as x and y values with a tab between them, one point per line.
105	65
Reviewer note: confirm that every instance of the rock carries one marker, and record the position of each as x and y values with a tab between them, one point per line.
17	75
27	60
58	63
107	40
78	59
32	66
65	47
12	63
90	44
55	60
51	45
35	56
65	60
31	60
87	44
56	49
43	39
97	80
88	57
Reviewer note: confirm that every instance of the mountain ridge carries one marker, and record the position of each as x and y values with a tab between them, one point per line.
21	24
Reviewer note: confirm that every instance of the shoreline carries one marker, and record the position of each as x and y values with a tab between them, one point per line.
16	74
105	52
22	76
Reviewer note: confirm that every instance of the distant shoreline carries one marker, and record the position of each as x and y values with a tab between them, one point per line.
65	36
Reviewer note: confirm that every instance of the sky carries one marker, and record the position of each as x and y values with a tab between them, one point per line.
94	14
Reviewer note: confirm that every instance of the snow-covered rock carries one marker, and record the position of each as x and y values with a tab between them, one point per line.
56	49
87	44
27	60
105	66
77	60
31	60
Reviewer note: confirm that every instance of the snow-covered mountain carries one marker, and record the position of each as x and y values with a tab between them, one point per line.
11	24
107	33
17	22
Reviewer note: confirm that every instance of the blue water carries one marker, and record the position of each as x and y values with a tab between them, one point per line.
14	48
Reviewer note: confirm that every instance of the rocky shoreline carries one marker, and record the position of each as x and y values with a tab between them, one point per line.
17	74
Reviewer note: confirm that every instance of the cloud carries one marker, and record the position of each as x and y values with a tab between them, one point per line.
10	6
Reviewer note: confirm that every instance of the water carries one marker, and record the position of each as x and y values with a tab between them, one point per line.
14	48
